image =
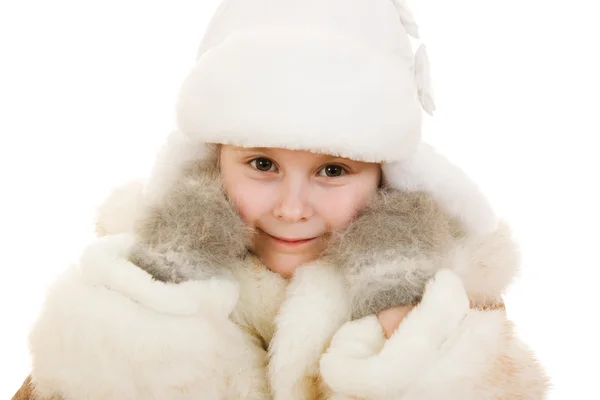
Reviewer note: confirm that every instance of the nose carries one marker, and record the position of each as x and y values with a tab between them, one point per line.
293	204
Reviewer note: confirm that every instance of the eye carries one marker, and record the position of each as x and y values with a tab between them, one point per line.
262	164
332	171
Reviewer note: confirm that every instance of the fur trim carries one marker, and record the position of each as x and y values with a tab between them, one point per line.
391	250
306	94
314	308
262	293
128	337
402	239
194	232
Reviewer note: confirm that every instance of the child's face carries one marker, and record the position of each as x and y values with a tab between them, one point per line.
295	199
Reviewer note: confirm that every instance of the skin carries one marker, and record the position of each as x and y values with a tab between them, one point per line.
294	200
390	319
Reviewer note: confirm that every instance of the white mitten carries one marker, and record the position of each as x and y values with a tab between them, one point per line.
361	363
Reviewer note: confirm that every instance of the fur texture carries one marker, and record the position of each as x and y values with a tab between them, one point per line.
157	314
391	250
468	353
315	306
194	232
127	336
385	256
291	322
343	69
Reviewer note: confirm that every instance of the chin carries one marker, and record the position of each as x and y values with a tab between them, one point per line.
286	264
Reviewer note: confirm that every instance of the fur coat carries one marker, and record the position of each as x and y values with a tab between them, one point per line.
115	326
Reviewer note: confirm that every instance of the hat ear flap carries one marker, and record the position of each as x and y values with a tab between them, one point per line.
456	193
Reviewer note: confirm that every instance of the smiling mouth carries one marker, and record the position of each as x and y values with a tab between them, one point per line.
290	241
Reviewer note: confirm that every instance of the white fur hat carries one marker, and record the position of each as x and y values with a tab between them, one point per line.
329	76
332	76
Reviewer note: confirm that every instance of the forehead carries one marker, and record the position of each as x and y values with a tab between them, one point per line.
283	154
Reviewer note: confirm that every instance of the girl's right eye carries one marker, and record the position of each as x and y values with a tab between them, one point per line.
263	164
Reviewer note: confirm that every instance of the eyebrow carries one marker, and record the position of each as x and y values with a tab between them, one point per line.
323	156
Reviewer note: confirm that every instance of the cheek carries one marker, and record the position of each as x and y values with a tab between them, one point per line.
340	205
250	198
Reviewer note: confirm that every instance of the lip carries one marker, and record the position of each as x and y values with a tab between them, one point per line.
292	242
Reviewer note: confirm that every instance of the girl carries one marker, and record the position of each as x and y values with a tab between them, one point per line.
304	115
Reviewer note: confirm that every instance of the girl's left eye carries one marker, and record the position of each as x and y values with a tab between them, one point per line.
332	171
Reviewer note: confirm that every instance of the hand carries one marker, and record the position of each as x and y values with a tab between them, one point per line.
391	318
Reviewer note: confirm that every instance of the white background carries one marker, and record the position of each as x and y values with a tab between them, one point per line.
87	92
